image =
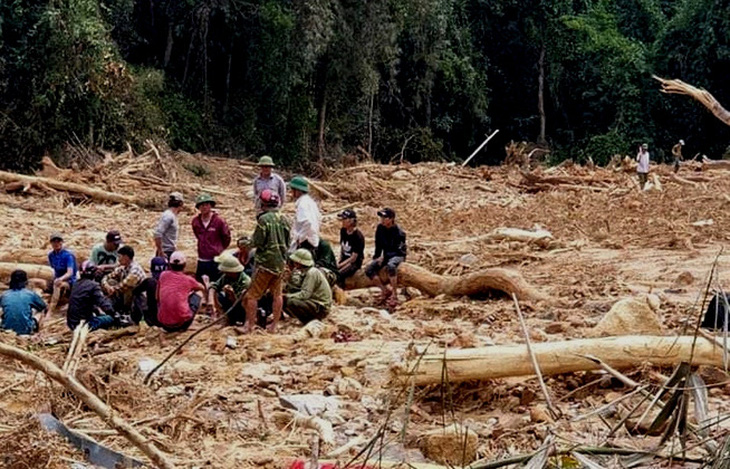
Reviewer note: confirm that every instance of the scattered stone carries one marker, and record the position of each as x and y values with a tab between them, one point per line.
453	445
231	342
684	279
527	396
555	328
536	335
638	315
468	260
540	414
310	404
349	387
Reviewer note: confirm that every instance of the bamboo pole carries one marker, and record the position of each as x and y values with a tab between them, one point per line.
91	400
560	357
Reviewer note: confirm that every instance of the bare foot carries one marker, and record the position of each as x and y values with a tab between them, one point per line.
271	327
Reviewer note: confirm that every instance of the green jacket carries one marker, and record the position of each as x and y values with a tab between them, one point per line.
325	257
314	288
271	240
239	284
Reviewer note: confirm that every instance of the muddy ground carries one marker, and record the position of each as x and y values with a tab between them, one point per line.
214	406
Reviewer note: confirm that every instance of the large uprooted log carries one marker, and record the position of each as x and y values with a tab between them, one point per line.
71	187
560	357
33	270
478	283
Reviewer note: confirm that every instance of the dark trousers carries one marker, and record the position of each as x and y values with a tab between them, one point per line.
304	310
209	268
346	273
643	177
238	314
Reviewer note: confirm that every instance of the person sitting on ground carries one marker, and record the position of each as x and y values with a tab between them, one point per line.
245	253
167	228
145	294
88	303
352	246
390	252
314	298
179	296
23	310
271	239
268	179
120	285
224	292
105	255
63	263
677	154
213	235
325	260
305	231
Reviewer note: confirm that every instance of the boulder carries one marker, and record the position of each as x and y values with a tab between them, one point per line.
454	445
631	316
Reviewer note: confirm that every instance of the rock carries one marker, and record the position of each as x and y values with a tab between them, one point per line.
555	328
454	445
684	279
468	260
638	315
349	387
310	404
539	414
527	396
536	335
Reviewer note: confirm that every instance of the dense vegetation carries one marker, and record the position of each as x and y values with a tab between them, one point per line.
312	80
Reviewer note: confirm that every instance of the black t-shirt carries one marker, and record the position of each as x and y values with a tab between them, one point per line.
352	244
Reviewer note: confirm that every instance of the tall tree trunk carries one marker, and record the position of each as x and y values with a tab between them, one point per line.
541	95
168	47
322	117
370	124
228	80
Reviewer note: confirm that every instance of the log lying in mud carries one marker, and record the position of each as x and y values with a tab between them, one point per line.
96	194
478	283
503	361
33	270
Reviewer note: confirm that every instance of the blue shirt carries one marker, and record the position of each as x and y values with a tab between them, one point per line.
60	262
18	306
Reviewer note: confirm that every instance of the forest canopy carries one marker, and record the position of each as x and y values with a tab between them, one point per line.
313	80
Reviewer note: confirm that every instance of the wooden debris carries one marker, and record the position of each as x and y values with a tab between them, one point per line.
560	357
91	400
483	282
33	270
86	190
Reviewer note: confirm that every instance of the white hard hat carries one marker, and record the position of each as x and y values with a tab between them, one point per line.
681	142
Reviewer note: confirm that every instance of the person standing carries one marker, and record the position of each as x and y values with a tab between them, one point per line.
213	236
352	246
268	179
305	232
105	255
271	239
390	252
18	305
167	227
677	154
63	263
642	169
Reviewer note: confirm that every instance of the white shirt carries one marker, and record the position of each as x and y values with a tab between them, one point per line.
643	159
306	222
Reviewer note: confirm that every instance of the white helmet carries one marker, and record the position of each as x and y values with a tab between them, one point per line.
681	142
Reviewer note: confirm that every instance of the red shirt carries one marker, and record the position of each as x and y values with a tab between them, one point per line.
212	239
174	289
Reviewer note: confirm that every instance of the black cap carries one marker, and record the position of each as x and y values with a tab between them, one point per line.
347	214
386	213
114	236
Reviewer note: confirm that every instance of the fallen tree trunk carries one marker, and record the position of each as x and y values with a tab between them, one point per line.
94	193
559	357
33	270
91	400
709	165
478	283
539	236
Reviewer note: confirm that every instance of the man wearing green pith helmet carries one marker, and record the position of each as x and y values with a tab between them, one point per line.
268	179
307	220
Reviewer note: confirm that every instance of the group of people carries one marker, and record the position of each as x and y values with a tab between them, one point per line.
643	157
281	268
